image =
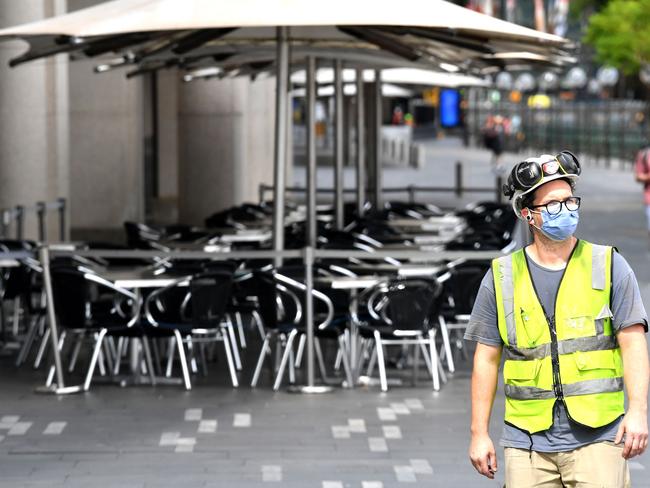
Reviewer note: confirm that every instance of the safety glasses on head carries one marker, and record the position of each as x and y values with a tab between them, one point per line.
527	174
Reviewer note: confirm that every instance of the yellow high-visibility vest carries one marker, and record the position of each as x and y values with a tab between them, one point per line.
569	354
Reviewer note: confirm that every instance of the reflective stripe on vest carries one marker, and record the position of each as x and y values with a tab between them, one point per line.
587	387
575	358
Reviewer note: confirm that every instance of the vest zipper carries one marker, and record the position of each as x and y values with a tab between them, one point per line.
555	357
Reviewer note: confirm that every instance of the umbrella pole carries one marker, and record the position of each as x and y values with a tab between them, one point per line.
308	251
338	143
376	127
280	154
361	150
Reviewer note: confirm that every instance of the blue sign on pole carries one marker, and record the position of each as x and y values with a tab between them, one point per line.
449	108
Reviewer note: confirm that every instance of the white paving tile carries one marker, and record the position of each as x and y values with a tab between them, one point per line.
54	428
636	466
193	414
372	484
421	466
242	420
340	431
392	432
9	419
357	426
6	425
207	427
377	444
271	473
2	438
405	474
400	408
332	484
184	448
169	438
414	403
19	428
386	414
186	441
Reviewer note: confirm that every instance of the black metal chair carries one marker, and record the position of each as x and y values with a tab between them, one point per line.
193	311
399	313
281	306
73	289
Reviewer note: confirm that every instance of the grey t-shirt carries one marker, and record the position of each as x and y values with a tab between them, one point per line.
627	308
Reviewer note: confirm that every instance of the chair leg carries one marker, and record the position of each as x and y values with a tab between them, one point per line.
45	339
231	365
260	361
183	359
29	340
380	360
50	375
434	360
445	340
258	322
240	329
292	367
16	316
372	362
99	339
233	344
301	349
118	355
345	360
147	357
75	353
416	363
285	358
170	357
426	356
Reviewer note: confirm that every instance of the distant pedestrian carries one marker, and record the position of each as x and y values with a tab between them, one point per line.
494	134
642	172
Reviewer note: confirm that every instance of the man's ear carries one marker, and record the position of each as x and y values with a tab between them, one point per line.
525	213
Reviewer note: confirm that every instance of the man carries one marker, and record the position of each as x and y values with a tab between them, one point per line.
567	316
642	173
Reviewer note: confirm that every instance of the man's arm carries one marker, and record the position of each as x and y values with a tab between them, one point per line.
636	374
485	376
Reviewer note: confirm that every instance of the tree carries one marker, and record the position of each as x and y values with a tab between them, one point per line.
620	35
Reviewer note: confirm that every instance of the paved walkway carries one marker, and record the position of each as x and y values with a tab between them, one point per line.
215	436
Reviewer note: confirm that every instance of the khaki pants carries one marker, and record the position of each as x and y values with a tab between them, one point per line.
595	465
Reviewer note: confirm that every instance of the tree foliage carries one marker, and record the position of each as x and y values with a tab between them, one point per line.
620	33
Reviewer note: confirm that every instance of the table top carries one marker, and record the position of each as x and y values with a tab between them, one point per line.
139	278
350	282
9	263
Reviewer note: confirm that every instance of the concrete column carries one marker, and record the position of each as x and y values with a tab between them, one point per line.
34	136
225	144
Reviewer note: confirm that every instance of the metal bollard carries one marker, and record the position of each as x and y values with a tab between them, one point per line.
19	213
62	205
499	184
459	179
40	212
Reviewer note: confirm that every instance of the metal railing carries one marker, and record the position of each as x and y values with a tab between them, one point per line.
14	219
411	191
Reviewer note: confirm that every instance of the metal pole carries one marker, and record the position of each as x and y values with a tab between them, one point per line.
376	112
311	152
51	316
338	143
280	155
459	179
361	149
309	313
40	211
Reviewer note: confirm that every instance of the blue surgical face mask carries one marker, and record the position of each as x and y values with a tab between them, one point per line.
561	226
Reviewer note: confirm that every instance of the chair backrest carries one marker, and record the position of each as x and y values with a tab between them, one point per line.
209	297
71	294
464	284
407	303
267	298
16	281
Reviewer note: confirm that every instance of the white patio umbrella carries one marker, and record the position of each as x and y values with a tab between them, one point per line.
154	34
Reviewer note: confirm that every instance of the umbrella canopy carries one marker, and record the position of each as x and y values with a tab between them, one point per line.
154	32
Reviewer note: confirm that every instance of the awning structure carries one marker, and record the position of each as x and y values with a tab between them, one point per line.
155	34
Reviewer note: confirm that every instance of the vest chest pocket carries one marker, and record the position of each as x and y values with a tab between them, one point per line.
580	326
586	363
521	373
